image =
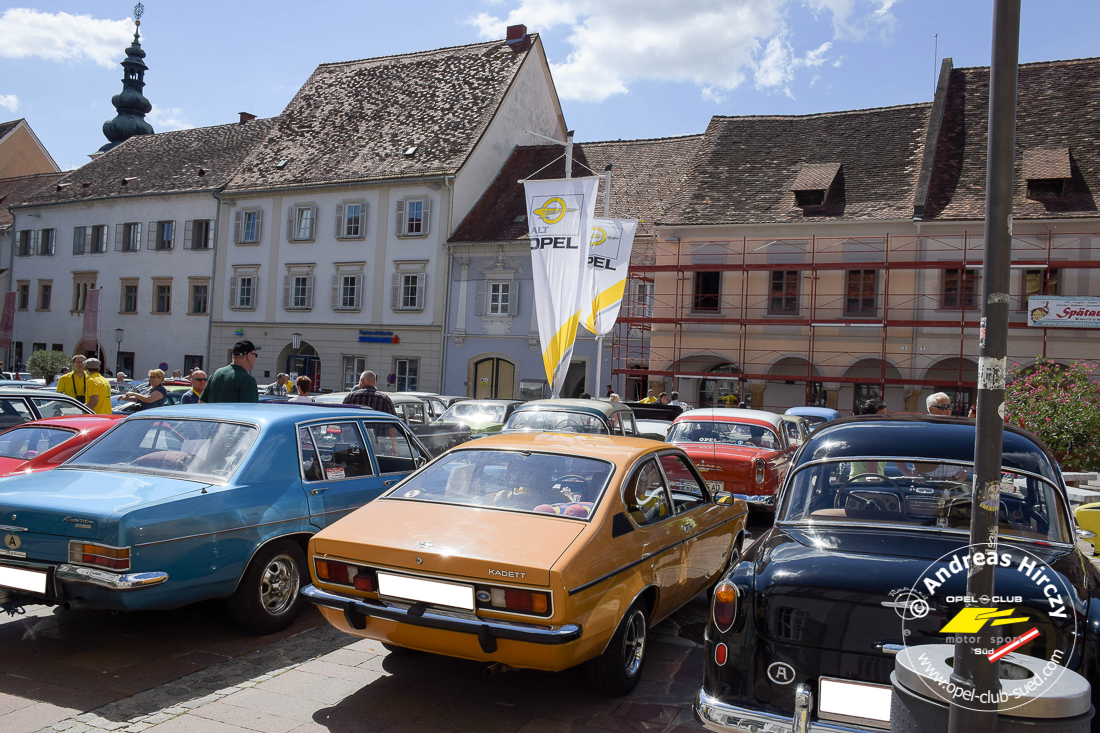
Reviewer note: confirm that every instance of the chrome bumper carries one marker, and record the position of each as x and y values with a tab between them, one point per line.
763	501
719	716
357	611
104	579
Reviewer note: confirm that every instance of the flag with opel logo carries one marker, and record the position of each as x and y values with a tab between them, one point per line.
559	220
609	250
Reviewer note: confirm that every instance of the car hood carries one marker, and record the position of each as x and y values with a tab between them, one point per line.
81	503
460	541
826	588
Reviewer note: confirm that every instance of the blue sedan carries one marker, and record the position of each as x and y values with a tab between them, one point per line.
183	504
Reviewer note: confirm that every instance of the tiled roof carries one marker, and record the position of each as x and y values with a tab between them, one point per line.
355	121
1046	163
19	188
745	168
816	177
644	175
6	127
1058	107
199	159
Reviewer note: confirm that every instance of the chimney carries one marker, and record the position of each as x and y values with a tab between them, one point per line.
516	34
247	117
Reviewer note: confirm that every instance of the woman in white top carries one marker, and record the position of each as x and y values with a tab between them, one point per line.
304	384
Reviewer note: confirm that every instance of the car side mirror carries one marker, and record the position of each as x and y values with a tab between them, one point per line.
1084	534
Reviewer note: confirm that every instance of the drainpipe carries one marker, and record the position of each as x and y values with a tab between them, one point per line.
449	182
11	283
213	280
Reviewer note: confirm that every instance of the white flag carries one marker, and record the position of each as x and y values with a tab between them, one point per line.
608	261
559	219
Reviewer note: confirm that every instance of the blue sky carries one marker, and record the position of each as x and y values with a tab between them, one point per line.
624	68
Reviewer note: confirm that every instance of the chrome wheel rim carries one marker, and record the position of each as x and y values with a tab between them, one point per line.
634	643
279	584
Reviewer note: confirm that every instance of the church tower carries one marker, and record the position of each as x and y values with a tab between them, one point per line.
131	104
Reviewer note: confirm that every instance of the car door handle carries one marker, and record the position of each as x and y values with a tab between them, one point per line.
317	491
689	525
391	481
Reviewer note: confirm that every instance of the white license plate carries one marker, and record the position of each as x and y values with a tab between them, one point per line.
846	700
20	579
716	485
426	591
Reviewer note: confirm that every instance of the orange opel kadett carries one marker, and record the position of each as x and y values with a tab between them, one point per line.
530	550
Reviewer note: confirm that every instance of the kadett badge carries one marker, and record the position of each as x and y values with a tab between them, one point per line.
12	541
781	673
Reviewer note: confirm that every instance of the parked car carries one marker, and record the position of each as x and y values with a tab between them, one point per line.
437	404
654	411
23	377
821	602
19	405
572	416
187	503
798	429
745	452
815	416
481	416
652	428
414	412
40	445
173	397
540	551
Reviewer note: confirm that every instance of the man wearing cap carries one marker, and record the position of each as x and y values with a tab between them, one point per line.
99	389
233	383
75	383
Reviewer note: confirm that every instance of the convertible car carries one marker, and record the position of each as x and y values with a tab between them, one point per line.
44	444
187	503
530	550
863	561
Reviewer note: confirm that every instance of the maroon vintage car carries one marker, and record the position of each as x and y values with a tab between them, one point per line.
744	452
44	444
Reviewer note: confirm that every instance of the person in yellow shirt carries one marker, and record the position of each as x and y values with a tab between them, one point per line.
75	383
650	398
99	389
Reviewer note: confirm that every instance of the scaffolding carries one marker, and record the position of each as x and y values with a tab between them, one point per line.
790	310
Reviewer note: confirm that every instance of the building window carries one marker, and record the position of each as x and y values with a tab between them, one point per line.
783	295
351	220
409	299
642	307
191	362
162	235
242	291
861	295
298	292
200	295
45	291
196	234
25	245
300	221
406	369
408	291
129	296
961	288
1040	282
498	299
128	237
82	283
79	235
347	291
162	296
47	242
36	346
413	217
24	290
707	292
353	367
247	226
98	243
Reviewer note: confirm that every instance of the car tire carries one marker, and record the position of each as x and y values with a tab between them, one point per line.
616	672
267	598
401	651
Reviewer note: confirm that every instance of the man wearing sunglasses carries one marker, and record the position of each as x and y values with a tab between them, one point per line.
233	383
939	404
198	384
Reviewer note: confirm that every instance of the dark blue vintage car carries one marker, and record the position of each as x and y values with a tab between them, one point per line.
188	503
862	563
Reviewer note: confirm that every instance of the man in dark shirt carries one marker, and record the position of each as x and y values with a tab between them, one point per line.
368	396
198	384
233	383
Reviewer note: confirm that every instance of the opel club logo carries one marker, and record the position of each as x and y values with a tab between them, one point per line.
552	210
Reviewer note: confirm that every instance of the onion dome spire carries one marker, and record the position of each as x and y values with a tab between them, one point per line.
131	104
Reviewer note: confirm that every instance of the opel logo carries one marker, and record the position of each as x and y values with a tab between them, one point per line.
12	542
552	210
781	673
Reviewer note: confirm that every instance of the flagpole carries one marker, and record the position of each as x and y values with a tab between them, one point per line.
599	339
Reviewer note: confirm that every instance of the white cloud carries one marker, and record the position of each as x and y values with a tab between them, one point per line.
168	119
714	44
63	37
9	102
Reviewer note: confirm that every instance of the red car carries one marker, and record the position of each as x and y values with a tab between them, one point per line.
44	444
743	452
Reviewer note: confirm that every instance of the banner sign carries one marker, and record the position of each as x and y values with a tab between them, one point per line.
378	337
559	220
608	260
1048	311
7	322
91	321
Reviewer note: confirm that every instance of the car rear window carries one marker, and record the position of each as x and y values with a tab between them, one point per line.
539	483
190	448
474	412
728	433
27	442
555	421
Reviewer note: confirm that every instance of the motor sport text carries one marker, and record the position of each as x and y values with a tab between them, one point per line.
1030	568
553	243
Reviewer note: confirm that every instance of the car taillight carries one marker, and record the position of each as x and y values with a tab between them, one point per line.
366	580
724	606
520	601
340	573
720	653
104	556
760	464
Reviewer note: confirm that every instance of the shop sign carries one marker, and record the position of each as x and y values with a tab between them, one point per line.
1047	311
378	337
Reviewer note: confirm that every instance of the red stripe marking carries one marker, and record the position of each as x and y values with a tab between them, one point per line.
1013	645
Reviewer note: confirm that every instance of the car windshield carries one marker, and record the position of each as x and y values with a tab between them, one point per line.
727	433
896	491
815	420
189	448
554	421
27	442
514	480
473	412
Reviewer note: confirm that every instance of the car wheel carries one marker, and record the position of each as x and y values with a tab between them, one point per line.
402	651
267	598
618	669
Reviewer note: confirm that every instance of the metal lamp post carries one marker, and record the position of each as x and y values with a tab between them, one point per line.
119	333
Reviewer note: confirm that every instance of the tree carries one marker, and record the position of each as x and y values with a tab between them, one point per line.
1061	406
48	364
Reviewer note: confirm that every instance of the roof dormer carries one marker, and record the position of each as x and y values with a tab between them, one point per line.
1046	171
811	187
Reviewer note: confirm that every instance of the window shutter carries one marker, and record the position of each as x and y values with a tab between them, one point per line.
291	234
233	293
340	229
309	289
425	225
401	217
513	298
118	237
151	237
288	284
312	222
36	244
480	307
259	224
255	292
210	234
78	240
100	245
137	236
421	281
395	299
172	240
358	293
336	281
188	232
237	227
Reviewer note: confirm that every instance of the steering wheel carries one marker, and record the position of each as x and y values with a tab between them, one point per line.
564	426
844	491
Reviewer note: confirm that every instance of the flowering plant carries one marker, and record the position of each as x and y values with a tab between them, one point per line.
1061	406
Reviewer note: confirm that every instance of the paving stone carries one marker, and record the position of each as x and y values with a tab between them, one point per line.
246	718
357	675
309	686
195	724
274	704
349	657
8	703
648	711
33	717
546	725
